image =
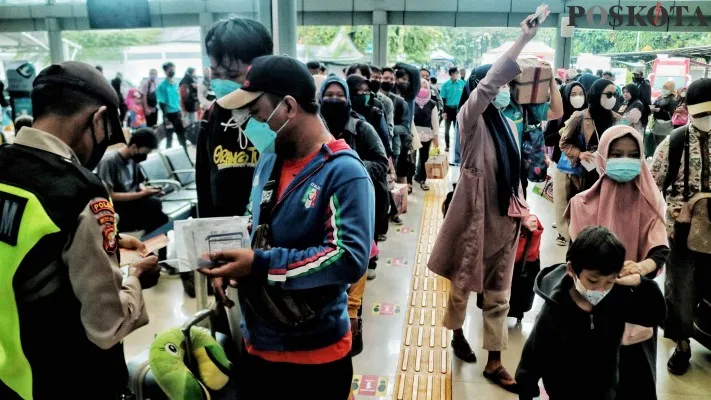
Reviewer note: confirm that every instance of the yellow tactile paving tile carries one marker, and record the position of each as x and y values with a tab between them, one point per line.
424	369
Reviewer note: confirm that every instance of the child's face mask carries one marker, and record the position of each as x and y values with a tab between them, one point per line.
592	296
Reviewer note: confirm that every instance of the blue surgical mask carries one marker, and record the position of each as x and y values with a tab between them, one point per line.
261	135
665	92
623	169
223	87
502	99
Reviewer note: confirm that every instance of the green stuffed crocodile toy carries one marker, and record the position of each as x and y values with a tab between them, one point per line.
167	361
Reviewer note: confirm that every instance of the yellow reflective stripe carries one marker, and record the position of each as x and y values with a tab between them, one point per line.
15	370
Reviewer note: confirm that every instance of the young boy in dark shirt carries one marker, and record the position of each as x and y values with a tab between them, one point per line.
575	343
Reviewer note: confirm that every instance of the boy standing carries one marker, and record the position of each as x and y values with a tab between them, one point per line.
575	343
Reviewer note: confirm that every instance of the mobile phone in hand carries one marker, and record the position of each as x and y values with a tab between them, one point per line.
541	14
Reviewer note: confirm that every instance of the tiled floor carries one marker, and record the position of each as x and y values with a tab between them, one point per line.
168	307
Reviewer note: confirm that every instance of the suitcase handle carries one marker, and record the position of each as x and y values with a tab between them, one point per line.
187	326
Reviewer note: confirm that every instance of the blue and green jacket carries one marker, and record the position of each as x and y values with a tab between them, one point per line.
321	231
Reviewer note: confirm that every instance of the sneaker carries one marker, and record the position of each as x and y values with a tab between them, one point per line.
554	225
679	361
396	220
371	274
560	240
382	238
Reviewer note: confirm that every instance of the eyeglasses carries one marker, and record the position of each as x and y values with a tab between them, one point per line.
609	94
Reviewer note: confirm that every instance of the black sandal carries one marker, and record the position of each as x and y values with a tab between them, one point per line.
424	186
499	376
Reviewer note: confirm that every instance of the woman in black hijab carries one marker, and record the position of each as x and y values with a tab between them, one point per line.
633	108
574	100
581	134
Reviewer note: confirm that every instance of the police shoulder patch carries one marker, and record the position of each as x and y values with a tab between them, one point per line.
100	205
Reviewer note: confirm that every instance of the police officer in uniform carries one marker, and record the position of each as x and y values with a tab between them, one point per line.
65	306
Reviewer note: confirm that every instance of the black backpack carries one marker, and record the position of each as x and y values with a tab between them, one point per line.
678	144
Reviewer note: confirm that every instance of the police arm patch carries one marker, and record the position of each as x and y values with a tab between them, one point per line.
110	239
100	205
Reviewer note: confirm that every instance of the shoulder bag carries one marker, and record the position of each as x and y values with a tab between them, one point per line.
693	225
564	164
274	306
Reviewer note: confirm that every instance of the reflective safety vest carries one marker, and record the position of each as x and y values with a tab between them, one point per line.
44	351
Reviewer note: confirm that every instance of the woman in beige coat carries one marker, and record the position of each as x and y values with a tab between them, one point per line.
476	246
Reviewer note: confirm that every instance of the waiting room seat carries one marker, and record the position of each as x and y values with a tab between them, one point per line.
181	166
156	172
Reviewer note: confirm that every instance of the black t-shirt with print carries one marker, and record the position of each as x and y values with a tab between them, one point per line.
224	167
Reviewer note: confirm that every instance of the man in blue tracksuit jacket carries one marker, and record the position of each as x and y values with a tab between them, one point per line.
293	295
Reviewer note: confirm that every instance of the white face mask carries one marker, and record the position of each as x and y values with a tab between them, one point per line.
608	104
703	123
577	101
594	297
682	94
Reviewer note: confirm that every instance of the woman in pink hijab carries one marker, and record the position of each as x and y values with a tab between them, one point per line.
627	201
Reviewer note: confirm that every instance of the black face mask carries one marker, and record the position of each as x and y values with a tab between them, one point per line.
387	86
336	113
358	103
374	86
637	79
99	148
139	158
171	74
402	87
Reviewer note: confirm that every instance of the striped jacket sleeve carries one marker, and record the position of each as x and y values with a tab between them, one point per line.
342	258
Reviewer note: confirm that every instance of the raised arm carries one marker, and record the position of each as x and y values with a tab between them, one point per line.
502	72
556	109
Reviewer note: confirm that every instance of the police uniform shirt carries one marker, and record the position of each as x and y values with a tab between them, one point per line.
111	306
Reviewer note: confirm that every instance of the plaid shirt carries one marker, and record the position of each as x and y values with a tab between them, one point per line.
699	174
